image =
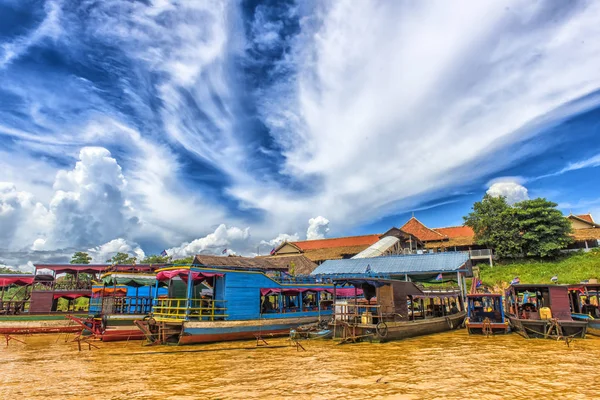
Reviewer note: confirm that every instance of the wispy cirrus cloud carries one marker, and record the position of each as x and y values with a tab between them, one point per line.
265	115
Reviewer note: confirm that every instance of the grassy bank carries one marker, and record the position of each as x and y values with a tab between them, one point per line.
572	268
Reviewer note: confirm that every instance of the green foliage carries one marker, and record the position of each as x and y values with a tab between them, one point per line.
81	258
531	227
122	258
572	268
495	225
184	261
6	270
545	230
154	259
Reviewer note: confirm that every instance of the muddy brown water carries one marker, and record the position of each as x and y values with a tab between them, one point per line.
451	365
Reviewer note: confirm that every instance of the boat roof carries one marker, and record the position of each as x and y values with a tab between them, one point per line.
414	264
472	295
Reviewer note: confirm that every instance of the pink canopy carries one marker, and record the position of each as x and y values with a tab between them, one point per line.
197	276
70	296
294	291
347	292
19	280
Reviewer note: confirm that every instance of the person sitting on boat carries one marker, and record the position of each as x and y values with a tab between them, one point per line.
453	308
267	306
590	309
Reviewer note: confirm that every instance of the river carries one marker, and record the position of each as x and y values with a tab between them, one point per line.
451	365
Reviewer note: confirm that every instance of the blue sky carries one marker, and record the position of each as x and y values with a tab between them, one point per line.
139	126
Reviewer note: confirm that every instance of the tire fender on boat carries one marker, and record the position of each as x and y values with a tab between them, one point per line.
382	329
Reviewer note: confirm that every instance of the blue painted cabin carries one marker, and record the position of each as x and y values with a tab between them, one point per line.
201	293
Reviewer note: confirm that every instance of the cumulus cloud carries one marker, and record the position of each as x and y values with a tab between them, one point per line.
318	227
222	239
346	91
513	191
88	206
282	237
100	254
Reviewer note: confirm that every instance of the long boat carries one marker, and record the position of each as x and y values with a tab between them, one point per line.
542	311
239	304
15	298
486	314
116	303
392	310
31	303
585	301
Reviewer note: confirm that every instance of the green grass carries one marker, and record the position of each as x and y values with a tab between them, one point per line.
572	268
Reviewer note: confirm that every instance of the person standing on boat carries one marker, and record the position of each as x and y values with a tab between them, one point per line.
453	308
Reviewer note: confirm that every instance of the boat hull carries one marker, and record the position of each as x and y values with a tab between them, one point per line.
593	327
30	324
193	332
542	328
477	328
401	329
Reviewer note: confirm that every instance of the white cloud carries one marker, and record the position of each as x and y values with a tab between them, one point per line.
223	238
513	191
100	254
393	102
318	227
282	237
49	28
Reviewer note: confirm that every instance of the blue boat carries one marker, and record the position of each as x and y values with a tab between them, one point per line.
585	300
207	304
486	314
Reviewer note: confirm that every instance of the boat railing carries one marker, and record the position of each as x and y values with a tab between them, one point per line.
354	312
182	309
13	307
122	305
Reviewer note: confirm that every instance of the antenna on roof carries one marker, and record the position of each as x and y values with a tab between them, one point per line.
413	214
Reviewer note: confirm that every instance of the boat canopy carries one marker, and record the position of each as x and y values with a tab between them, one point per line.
73	268
357	282
16	279
133	280
197	276
292	291
100	291
70	296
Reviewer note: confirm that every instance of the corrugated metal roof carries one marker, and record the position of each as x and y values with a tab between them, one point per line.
405	264
379	248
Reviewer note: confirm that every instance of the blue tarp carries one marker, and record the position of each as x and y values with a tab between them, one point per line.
396	265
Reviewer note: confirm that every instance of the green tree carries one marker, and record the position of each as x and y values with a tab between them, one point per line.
81	258
122	258
184	261
545	231
495	226
6	270
531	227
154	259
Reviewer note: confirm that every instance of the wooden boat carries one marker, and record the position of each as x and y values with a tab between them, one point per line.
585	300
393	310
15	315
542	311
121	299
486	314
312	331
240	304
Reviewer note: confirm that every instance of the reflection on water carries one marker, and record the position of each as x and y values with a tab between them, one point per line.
445	366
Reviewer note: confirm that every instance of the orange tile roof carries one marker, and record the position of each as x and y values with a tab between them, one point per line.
586	217
456	231
337	242
416	228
